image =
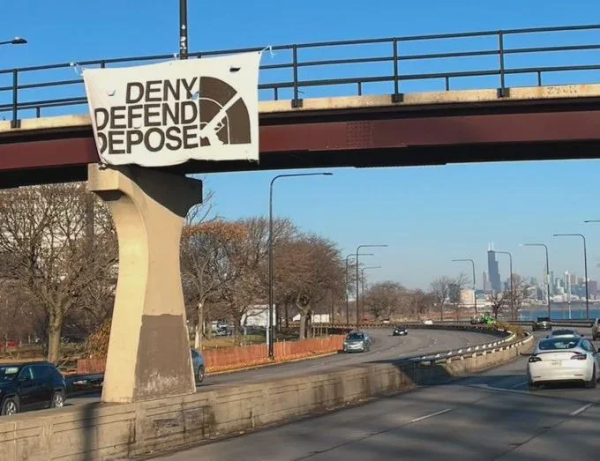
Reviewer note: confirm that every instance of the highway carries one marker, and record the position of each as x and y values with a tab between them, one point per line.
385	346
491	416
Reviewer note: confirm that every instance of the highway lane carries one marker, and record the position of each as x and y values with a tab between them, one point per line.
491	416
385	346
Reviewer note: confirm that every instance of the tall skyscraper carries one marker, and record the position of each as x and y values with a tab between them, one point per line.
486	282
494	271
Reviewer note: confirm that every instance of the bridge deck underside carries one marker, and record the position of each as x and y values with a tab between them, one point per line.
365	137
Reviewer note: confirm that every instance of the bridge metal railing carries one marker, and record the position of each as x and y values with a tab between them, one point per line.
393	66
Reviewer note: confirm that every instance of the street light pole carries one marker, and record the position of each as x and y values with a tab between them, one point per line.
270	326
363	282
474	283
183	30
351	255
357	278
547	270
14	41
512	292
587	297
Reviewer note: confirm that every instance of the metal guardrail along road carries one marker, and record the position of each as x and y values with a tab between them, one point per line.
472	60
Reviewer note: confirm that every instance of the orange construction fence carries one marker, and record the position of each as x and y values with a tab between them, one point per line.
233	358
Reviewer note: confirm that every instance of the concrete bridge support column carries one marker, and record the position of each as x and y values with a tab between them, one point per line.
149	353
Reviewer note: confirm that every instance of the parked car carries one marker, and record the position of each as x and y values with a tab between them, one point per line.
357	341
542	323
596	330
198	365
30	386
564	359
400	331
428	322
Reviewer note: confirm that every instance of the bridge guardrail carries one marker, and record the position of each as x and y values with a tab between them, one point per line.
290	73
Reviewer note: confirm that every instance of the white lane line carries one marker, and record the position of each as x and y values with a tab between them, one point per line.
581	410
416	420
522	383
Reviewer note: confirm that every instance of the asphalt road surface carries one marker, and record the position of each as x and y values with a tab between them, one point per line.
491	416
385	346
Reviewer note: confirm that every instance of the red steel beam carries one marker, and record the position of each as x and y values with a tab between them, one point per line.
353	136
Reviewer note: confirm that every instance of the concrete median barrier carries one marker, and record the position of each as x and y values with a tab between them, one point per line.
113	431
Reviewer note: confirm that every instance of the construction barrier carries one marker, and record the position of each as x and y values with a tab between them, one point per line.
234	358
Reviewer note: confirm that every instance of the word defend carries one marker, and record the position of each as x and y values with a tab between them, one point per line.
169	113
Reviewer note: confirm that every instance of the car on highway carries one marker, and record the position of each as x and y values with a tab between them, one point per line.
542	323
198	365
400	330
427	322
31	386
596	330
357	341
564	359
565	332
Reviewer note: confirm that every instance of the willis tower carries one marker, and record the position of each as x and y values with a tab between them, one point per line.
493	270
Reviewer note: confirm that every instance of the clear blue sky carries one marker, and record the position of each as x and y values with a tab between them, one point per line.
427	215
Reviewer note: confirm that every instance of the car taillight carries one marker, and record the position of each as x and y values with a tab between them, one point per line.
534	358
579	356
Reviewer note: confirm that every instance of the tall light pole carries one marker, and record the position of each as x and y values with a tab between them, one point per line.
474	283
357	277
351	255
270	326
183	30
14	41
547	270
363	281
587	297
512	292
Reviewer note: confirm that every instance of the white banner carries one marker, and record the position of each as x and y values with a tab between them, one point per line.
169	113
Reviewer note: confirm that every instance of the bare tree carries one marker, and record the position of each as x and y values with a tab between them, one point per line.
385	298
309	270
499	302
516	296
45	233
206	250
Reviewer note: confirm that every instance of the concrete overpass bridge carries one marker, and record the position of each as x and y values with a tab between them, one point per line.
421	100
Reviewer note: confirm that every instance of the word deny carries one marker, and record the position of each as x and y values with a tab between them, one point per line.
158	114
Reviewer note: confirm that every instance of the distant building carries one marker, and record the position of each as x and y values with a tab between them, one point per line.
593	288
486	282
494	271
572	279
467	297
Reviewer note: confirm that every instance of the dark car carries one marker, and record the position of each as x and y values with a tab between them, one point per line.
400	331
542	323
30	386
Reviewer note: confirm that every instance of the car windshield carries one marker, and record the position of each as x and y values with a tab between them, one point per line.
563	332
558	344
543	319
8	373
355	337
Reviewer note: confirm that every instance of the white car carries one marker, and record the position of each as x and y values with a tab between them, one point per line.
564	358
428	322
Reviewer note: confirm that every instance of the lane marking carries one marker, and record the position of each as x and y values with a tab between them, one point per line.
416	420
522	383
581	410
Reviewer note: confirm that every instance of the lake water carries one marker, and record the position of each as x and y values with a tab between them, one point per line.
561	311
